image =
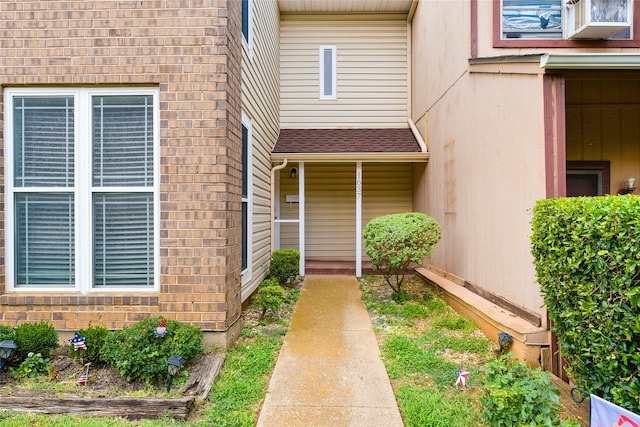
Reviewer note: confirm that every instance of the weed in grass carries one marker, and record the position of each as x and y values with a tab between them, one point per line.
436	408
437	306
441	341
457	323
242	383
414	310
404	356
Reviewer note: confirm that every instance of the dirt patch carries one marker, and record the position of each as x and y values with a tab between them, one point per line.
64	372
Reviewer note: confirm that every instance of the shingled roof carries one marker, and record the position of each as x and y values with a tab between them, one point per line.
314	141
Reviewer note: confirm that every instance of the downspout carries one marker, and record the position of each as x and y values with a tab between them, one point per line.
412	125
273	201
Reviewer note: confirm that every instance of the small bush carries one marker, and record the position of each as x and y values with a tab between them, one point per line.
7	333
140	356
395	242
35	338
33	366
515	395
285	266
270	297
94	342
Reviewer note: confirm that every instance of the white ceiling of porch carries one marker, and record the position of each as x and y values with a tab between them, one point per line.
345	6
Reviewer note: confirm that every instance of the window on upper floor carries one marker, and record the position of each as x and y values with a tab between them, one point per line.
564	20
328	72
246	20
81	189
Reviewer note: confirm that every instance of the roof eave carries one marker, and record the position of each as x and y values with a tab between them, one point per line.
591	61
414	157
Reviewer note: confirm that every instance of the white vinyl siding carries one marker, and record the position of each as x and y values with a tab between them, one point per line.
371	73
260	105
386	189
82	189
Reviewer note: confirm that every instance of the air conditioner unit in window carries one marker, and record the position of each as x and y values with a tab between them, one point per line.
596	19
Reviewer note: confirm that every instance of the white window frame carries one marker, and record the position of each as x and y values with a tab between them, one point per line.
332	93
246	273
82	188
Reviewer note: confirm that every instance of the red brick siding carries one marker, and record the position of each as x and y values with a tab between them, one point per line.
191	50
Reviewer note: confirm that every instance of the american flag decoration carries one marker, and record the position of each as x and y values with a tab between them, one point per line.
161	330
84	377
78	342
462	377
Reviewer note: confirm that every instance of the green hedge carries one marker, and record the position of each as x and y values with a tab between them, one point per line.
587	259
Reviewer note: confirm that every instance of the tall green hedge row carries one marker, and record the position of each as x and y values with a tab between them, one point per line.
587	259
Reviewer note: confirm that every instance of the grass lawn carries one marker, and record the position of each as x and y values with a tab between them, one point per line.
423	342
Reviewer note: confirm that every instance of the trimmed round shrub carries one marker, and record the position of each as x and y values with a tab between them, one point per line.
40	337
270	297
395	242
141	356
96	336
285	266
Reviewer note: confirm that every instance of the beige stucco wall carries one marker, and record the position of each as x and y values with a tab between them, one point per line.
486	167
260	81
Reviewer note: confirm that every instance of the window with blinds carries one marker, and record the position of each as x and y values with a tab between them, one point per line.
82	189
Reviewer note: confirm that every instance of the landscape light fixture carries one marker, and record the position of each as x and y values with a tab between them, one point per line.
173	365
504	340
6	348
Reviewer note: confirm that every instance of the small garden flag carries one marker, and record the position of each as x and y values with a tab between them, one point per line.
84	377
462	377
78	342
606	414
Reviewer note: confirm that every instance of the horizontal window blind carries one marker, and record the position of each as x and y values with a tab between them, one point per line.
43	134
123	239
44	229
122	140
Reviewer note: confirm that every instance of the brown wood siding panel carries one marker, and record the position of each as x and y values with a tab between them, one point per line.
602	123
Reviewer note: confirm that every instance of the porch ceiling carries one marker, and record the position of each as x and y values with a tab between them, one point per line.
386	144
345	6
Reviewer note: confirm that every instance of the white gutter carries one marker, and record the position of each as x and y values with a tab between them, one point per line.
273	201
591	61
412	125
353	157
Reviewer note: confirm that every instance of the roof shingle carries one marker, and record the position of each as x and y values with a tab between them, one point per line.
315	141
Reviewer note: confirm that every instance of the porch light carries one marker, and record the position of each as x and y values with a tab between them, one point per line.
293	173
6	348
173	365
629	185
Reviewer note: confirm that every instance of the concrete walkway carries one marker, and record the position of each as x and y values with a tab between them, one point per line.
329	371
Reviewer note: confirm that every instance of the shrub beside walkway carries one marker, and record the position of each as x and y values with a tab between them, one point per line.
329	370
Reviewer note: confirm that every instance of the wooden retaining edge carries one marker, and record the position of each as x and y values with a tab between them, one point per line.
130	408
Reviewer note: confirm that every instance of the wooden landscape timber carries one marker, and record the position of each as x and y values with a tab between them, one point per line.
130	408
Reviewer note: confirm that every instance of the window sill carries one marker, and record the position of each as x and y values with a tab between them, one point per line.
78	299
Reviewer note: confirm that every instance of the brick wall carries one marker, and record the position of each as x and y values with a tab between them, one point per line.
191	51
